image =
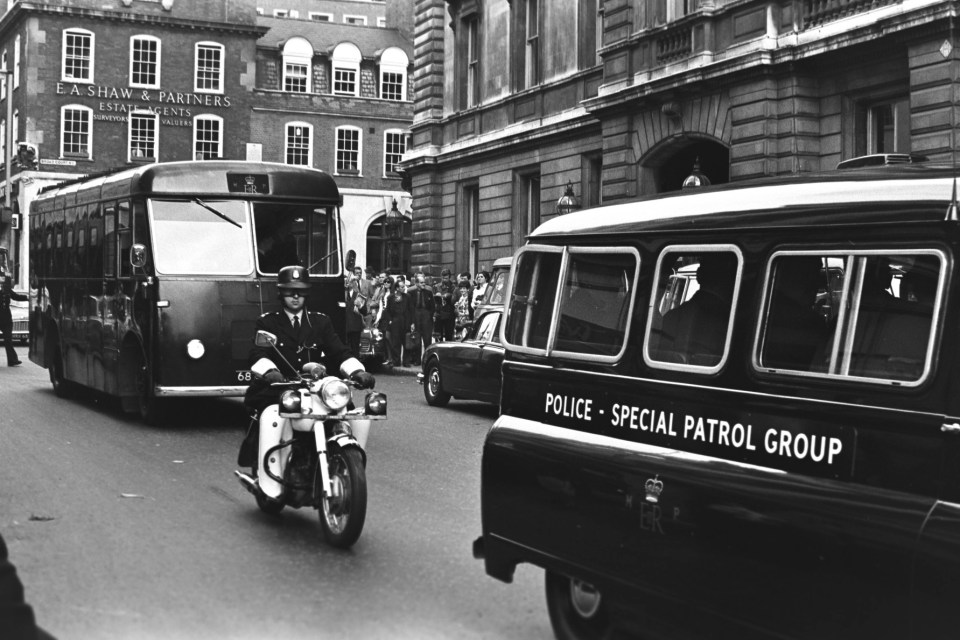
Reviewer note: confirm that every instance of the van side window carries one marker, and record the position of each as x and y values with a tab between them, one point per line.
573	301
691	314
866	315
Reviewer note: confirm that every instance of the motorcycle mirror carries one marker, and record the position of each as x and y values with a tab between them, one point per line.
265	339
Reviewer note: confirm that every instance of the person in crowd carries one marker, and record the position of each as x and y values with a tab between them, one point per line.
444	298
354	311
302	338
422	300
397	316
480	288
6	318
374	308
463	308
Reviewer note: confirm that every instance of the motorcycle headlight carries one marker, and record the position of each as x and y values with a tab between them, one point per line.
335	394
375	404
290	401
195	349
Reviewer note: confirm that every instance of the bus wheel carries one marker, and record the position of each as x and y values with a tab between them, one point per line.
61	386
576	609
149	406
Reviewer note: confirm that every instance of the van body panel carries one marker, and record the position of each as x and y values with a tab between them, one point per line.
744	500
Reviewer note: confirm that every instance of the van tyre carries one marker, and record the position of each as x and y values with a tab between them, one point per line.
433	386
149	406
576	609
61	386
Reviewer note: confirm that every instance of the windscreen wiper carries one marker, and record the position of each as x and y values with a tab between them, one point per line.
217	213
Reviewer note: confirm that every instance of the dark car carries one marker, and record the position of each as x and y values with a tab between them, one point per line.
373	349
21	324
467	369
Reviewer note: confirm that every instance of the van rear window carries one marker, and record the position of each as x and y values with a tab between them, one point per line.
866	315
573	302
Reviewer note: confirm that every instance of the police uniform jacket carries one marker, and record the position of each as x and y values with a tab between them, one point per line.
317	341
6	295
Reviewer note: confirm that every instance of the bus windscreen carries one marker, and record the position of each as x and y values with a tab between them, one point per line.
195	238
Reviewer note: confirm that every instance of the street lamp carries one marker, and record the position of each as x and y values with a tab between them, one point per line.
696	178
568	201
394	224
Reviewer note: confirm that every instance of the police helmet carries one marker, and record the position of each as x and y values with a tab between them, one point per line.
293	277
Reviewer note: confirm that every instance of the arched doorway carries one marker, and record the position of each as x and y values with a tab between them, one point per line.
389	254
668	164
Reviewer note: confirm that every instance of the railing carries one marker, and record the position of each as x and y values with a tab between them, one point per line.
674	45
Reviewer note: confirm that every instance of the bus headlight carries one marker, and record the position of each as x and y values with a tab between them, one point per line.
335	394
195	349
290	401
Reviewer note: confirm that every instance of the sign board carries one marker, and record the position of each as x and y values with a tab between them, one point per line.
62	163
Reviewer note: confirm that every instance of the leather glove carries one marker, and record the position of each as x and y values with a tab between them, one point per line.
363	379
315	370
273	375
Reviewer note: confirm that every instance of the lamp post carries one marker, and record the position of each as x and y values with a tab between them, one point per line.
394	224
7	240
568	201
696	178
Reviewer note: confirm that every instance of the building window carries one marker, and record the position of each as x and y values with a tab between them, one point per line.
348	150
298	141
469	63
3	142
590	33
280	13
393	74
16	129
297	62
207	137
3	80
145	62
321	17
142	136
346	70
208	74
16	62
394	146
470	196
77	55
527	24
357	20
76	127
381	22
592	171
888	127
526	204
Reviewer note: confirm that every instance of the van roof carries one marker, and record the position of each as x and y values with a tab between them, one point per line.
909	192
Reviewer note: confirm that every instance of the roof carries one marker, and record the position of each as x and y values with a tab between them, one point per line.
324	36
881	194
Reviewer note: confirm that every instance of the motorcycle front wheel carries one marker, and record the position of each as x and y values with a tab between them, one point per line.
343	513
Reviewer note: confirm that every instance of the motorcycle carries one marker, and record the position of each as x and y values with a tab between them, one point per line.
319	462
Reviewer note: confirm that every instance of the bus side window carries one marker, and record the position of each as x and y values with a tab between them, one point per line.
124	238
109	241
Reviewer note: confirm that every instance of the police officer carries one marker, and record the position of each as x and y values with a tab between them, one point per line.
302	337
6	320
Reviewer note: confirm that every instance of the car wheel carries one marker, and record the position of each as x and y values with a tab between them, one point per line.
576	609
433	386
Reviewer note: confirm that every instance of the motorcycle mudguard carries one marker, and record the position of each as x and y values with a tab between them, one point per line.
361	430
273	429
343	441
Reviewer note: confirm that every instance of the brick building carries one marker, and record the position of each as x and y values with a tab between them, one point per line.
97	85
516	99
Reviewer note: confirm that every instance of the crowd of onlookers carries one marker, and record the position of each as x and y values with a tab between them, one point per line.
410	311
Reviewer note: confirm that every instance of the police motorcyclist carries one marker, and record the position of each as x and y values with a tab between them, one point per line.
302	337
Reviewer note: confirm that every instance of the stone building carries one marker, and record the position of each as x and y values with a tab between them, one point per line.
96	85
517	99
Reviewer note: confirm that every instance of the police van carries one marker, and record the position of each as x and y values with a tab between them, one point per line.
735	412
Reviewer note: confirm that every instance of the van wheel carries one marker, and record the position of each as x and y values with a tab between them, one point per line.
576	609
432	387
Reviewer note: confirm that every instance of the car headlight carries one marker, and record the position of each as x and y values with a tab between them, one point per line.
335	394
195	349
290	401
